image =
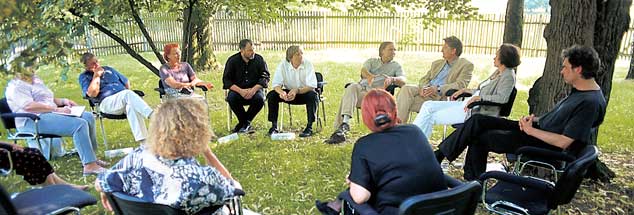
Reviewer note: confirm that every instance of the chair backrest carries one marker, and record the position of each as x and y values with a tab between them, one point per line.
9	122
125	204
6	207
505	110
320	80
461	199
161	88
573	175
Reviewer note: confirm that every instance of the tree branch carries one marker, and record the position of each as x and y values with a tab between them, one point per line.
118	39
143	29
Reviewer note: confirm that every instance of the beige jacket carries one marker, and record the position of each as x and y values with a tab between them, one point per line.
458	78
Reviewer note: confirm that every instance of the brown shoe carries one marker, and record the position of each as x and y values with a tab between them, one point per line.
336	138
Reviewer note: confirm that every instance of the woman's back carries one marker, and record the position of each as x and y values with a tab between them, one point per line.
395	164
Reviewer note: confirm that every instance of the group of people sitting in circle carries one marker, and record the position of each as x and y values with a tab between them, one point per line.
387	165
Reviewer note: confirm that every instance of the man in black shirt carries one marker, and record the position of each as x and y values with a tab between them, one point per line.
566	127
246	73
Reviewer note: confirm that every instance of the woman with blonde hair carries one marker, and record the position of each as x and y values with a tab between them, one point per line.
164	170
390	164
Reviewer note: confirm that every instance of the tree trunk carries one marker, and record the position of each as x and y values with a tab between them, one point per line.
613	19
630	72
571	22
202	45
513	22
596	23
187	51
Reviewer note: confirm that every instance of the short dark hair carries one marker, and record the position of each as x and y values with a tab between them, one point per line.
583	56
244	43
454	43
86	56
509	55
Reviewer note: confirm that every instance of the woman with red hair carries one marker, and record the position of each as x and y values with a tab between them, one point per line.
178	77
389	165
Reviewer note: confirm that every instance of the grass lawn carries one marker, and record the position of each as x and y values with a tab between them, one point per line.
286	177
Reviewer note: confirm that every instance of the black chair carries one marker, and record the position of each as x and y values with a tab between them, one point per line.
94	107
52	199
123	204
320	94
8	120
460	198
161	90
513	194
390	89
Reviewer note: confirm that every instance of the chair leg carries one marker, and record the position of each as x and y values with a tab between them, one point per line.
290	116
323	110
103	133
357	110
229	116
281	120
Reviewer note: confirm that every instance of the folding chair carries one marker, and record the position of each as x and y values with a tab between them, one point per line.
513	194
320	93
6	172
94	107
52	199
460	198
162	95
8	120
123	204
228	109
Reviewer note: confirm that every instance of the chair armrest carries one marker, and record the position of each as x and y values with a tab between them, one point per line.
523	181
544	153
484	103
139	92
452	182
452	91
239	192
365	209
203	88
25	115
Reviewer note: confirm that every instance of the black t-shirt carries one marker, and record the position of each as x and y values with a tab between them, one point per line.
243	74
393	165
575	116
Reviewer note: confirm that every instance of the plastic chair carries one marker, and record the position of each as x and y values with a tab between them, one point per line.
52	199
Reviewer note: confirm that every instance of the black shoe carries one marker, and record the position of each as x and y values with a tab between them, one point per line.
308	131
324	209
246	129
344	127
273	130
336	138
237	128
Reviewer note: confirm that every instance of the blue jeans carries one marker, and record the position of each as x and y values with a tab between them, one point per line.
82	129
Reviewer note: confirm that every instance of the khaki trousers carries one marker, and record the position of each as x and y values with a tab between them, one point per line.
352	96
408	100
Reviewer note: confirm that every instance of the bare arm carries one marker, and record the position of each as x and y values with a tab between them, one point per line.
95	84
359	194
213	161
171	82
559	140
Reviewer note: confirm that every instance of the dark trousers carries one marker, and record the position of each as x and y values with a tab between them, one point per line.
28	162
311	99
484	134
237	103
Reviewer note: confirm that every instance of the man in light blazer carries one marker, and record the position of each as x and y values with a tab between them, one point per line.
451	72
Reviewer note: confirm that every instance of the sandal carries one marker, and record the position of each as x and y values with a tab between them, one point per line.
102	163
94	172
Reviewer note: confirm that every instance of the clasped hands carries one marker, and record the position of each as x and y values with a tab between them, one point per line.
387	81
290	96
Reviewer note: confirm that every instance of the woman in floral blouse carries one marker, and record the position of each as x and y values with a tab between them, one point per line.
165	170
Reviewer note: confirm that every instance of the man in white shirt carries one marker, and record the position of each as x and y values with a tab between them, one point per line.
294	82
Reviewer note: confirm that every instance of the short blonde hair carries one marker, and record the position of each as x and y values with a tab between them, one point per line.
292	50
179	128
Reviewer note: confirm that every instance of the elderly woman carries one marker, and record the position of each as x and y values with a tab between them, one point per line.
496	88
26	93
164	170
31	165
178	77
390	164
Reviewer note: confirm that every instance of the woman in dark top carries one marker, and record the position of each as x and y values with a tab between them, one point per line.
390	164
